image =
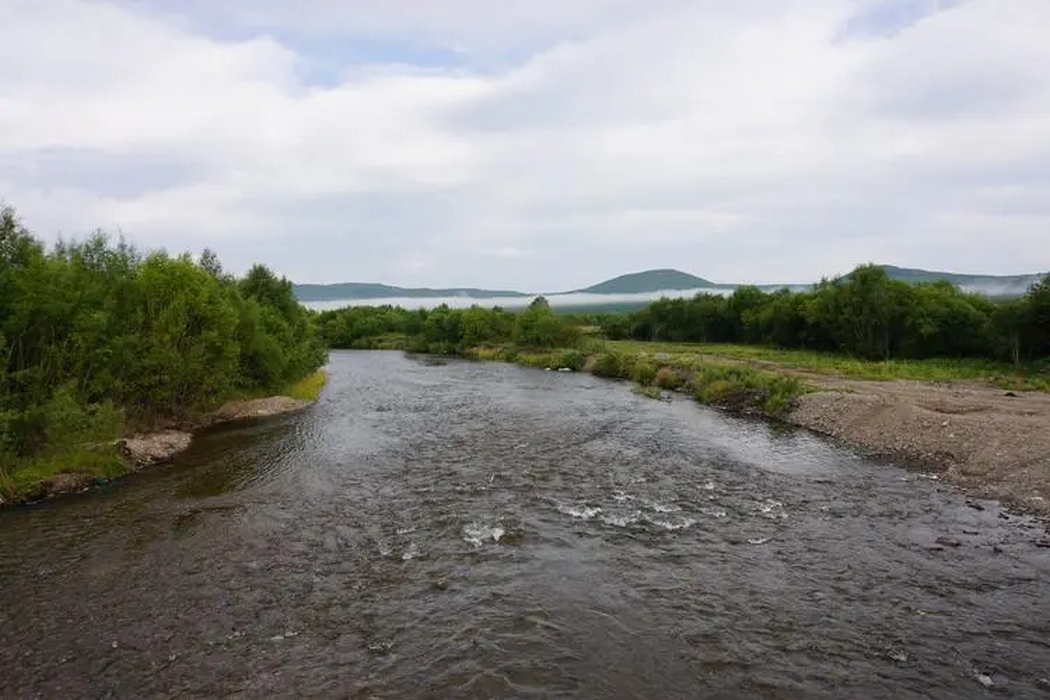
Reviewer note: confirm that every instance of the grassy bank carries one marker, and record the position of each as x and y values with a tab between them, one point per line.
98	339
1026	377
85	451
728	385
62	471
309	387
748	378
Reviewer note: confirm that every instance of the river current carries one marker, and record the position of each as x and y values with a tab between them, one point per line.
435	529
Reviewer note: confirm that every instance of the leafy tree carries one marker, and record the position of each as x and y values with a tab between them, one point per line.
210	263
92	332
539	327
1037	319
865	313
1009	320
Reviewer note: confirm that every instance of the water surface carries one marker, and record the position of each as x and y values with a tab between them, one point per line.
455	529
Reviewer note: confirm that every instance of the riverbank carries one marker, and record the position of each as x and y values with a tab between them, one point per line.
99	463
971	432
991	442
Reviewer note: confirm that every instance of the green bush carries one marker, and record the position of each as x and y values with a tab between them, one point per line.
668	378
573	359
70	423
94	332
609	364
643	372
866	314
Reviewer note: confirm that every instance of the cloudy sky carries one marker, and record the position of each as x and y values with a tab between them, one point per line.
536	145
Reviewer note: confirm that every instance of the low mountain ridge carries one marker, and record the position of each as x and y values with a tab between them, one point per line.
368	290
648	281
991	285
651	281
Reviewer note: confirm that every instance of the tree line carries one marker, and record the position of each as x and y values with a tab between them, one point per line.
447	330
95	333
864	314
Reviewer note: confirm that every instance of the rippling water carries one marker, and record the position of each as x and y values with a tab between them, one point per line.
457	529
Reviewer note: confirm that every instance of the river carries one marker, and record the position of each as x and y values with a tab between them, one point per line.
435	529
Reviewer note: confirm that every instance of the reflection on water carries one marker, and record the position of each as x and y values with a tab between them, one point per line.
481	530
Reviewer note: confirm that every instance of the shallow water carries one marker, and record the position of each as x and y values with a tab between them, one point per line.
454	529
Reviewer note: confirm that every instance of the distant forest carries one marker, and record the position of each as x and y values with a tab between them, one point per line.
866	314
650	281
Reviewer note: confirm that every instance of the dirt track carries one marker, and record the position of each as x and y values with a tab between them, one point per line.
994	443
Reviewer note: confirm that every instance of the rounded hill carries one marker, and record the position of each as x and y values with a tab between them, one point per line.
648	281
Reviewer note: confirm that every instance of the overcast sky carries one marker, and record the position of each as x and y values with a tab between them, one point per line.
540	144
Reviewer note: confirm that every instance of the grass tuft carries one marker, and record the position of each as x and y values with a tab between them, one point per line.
31	478
309	387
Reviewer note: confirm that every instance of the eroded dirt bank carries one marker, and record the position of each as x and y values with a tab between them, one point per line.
994	443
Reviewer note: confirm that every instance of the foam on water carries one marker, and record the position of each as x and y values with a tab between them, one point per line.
582	512
621	519
772	509
478	534
662	508
673	524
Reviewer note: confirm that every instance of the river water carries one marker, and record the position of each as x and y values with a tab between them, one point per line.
455	529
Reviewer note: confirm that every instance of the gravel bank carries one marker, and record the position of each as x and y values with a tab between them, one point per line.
147	449
994	443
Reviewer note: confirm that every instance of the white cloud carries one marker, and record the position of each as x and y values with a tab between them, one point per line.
750	141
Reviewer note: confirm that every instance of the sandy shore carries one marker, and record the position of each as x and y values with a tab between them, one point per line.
993	443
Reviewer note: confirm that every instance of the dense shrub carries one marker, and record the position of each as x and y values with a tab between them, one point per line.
610	364
643	372
92	332
668	378
865	314
449	330
572	359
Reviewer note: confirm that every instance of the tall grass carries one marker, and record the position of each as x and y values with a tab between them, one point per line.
1033	376
309	387
82	448
731	386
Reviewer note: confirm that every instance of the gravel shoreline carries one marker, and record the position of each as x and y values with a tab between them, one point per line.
147	449
994	444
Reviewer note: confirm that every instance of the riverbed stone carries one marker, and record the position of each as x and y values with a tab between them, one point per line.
146	450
